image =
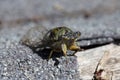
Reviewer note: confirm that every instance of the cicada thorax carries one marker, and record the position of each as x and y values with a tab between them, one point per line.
54	36
57	33
71	35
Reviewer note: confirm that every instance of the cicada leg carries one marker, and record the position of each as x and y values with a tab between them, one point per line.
75	48
50	54
64	49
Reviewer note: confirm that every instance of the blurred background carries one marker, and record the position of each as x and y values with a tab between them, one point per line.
94	18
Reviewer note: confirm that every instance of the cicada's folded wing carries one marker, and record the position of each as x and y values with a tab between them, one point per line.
34	36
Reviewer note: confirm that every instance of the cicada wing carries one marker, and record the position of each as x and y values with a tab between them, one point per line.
34	36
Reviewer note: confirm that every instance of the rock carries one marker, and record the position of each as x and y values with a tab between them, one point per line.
105	59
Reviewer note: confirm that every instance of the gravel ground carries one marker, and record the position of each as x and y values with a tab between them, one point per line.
18	62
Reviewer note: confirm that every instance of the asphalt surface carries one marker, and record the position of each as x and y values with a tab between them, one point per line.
17	62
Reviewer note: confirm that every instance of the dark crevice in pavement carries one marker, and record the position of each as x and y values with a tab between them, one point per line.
99	41
93	46
113	38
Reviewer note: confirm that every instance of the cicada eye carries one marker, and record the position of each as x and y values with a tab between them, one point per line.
78	33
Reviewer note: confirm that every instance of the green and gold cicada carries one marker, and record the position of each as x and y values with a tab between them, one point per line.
59	39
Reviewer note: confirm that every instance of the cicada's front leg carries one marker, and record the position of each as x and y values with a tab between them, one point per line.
64	49
75	48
